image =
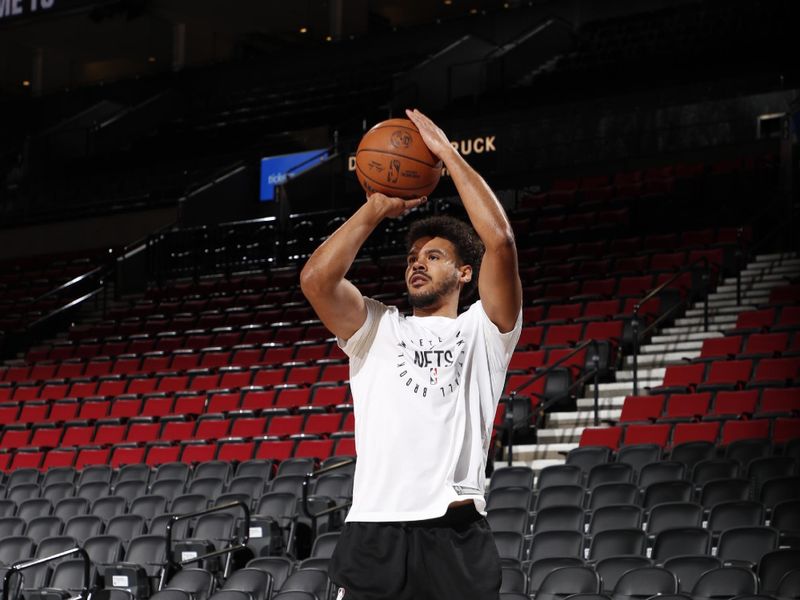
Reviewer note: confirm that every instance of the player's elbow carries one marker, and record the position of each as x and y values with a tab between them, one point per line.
502	241
310	281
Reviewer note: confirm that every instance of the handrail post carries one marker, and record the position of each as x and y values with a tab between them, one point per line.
305	487
21	566
171	564
635	329
509	422
596	364
706	280
739	257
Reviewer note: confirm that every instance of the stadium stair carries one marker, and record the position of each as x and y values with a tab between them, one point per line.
671	345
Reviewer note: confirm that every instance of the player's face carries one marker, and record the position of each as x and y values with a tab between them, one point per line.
432	272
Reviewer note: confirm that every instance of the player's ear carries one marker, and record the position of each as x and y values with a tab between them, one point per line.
465	273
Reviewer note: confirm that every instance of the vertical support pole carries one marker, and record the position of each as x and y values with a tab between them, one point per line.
635	328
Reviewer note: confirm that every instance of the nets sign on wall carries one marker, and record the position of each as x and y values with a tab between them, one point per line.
275	170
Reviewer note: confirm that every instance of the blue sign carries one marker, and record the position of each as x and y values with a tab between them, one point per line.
275	170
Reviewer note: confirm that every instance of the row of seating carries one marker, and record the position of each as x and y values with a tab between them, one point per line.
730	374
769	492
720	405
777	430
739	546
195	451
660	517
272	399
643	466
132	378
623	578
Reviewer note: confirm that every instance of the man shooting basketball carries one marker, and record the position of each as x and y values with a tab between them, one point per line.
425	390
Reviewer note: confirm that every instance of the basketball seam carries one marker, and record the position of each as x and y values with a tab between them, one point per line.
360	150
386	185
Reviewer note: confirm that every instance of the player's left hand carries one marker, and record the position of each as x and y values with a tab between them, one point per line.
434	138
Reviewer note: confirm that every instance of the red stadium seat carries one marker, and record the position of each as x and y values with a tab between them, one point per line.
59	457
284	426
695	432
738	403
766	344
15	438
336	373
688	405
258	399
248	427
125	408
91	456
236	451
109	434
224	402
722	347
323	424
780	400
202	382
727	374
235	379
755	320
293	397
279	450
642	408
26	460
64	410
608	436
212	428
682	376
142	433
777	371
189	404
157	406
345	447
127	455
162	453
78	435
303	375
319	449
177	431
744	430
647	434
530	336
46	437
785	430
199	453
33	412
327	396
269	377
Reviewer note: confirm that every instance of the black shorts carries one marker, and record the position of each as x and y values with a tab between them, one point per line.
453	556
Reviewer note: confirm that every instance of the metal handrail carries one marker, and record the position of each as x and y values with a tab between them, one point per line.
18	567
72	282
326	511
652	294
171	564
539	374
593	373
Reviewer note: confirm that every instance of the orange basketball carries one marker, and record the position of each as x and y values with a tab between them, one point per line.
392	159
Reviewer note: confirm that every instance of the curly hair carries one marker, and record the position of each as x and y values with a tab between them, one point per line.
468	245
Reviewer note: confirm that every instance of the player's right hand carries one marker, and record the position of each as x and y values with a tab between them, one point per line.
394	207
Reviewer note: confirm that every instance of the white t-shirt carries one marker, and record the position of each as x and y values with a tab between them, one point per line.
425	391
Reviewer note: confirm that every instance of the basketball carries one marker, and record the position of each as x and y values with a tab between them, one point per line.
392	159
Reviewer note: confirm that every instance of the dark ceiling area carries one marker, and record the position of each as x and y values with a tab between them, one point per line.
83	42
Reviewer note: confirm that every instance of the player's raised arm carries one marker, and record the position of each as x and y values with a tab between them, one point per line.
498	281
337	302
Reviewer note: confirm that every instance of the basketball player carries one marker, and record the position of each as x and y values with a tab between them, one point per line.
425	390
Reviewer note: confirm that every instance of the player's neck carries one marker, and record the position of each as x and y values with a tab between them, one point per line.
447	308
